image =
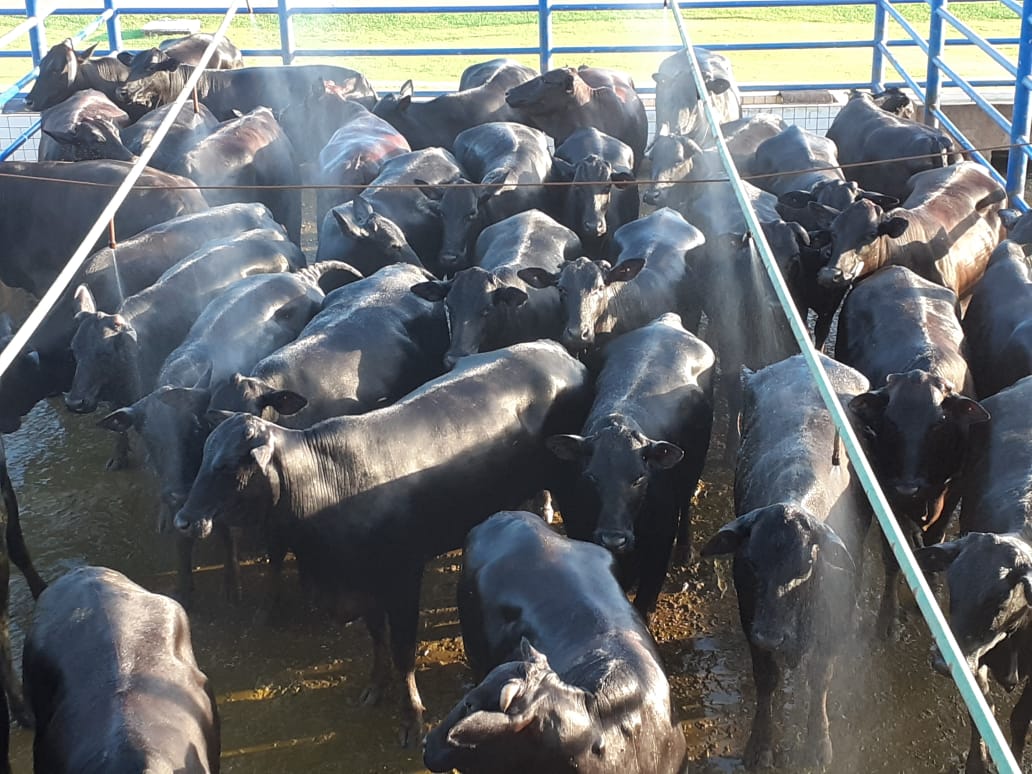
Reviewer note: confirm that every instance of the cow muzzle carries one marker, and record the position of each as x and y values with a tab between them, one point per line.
80	405
834	277
652	197
577	339
199	529
616	541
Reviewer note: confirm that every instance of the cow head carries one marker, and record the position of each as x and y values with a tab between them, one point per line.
374	233
673	159
27	380
392	107
464	209
93	138
238	481
918	430
787	565
548	93
990	582
617	463
246	394
106	354
677	98
520	713
150	82
584	290
858	235
587	201
58	71
476	303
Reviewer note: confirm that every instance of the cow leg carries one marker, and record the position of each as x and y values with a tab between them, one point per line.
821	330
277	549
682	553
759	752
16	547
731	387
120	454
12	685
376	623
654	547
1019	722
403	617
819	740
888	613
184	570
231	577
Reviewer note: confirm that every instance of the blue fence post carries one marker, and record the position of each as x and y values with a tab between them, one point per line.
114	26
880	39
286	31
1017	160
37	36
935	48
545	34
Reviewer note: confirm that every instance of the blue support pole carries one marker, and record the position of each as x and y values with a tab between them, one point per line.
935	48
1017	161
881	37
545	34
286	31
37	36
114	26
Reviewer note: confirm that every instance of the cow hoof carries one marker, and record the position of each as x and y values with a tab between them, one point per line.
976	765
371	696
681	555
23	715
759	757
887	629
822	754
410	731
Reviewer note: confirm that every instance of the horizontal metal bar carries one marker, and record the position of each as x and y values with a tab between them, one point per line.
20	140
1012	6
975	97
974	38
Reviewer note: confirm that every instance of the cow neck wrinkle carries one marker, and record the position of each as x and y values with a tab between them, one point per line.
314	465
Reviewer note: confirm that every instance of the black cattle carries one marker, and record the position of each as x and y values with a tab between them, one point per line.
372	343
189	128
42	222
998	321
364	501
596	164
437	122
903	334
509	71
12	549
568	683
30	378
354	155
944	231
896	147
650	275
510	162
118	356
989	568
191	48
563	100
84	126
321	111
141	704
155	79
744	135
64	71
677	99
490	305
249	151
391	221
797	543
642	450
1018	226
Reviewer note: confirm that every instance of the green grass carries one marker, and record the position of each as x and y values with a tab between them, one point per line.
422	30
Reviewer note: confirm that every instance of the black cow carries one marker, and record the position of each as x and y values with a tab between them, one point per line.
568	683
84	126
156	79
321	111
191	48
998	321
563	100
354	155
364	501
249	151
391	221
598	298
189	128
512	73
944	231
437	122
989	568
30	378
491	305
677	99
596	163
64	71
42	222
903	334
511	163
141	704
797	542
642	450
889	149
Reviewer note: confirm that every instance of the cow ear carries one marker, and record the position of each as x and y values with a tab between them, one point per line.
882	200
509	296
938	558
481	728
562	169
284	402
125	57
434	290
731	536
622	177
658	77
496	182
822	213
567	447
83	302
965	410
987	201
364	212
539	278
833	551
119	421
894	227
405	95
168	64
797	200
1023	576
625	270
663	455
262	455
869	406
718	85
82	56
349	224
532	655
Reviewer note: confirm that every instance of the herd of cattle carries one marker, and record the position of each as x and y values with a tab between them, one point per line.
473	338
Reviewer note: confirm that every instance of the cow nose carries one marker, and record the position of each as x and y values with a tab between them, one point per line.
180	523
909	489
595	227
79	405
767	640
831	277
651	196
617	541
450	260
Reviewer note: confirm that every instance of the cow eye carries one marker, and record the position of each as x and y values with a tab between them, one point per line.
639	481
471	215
